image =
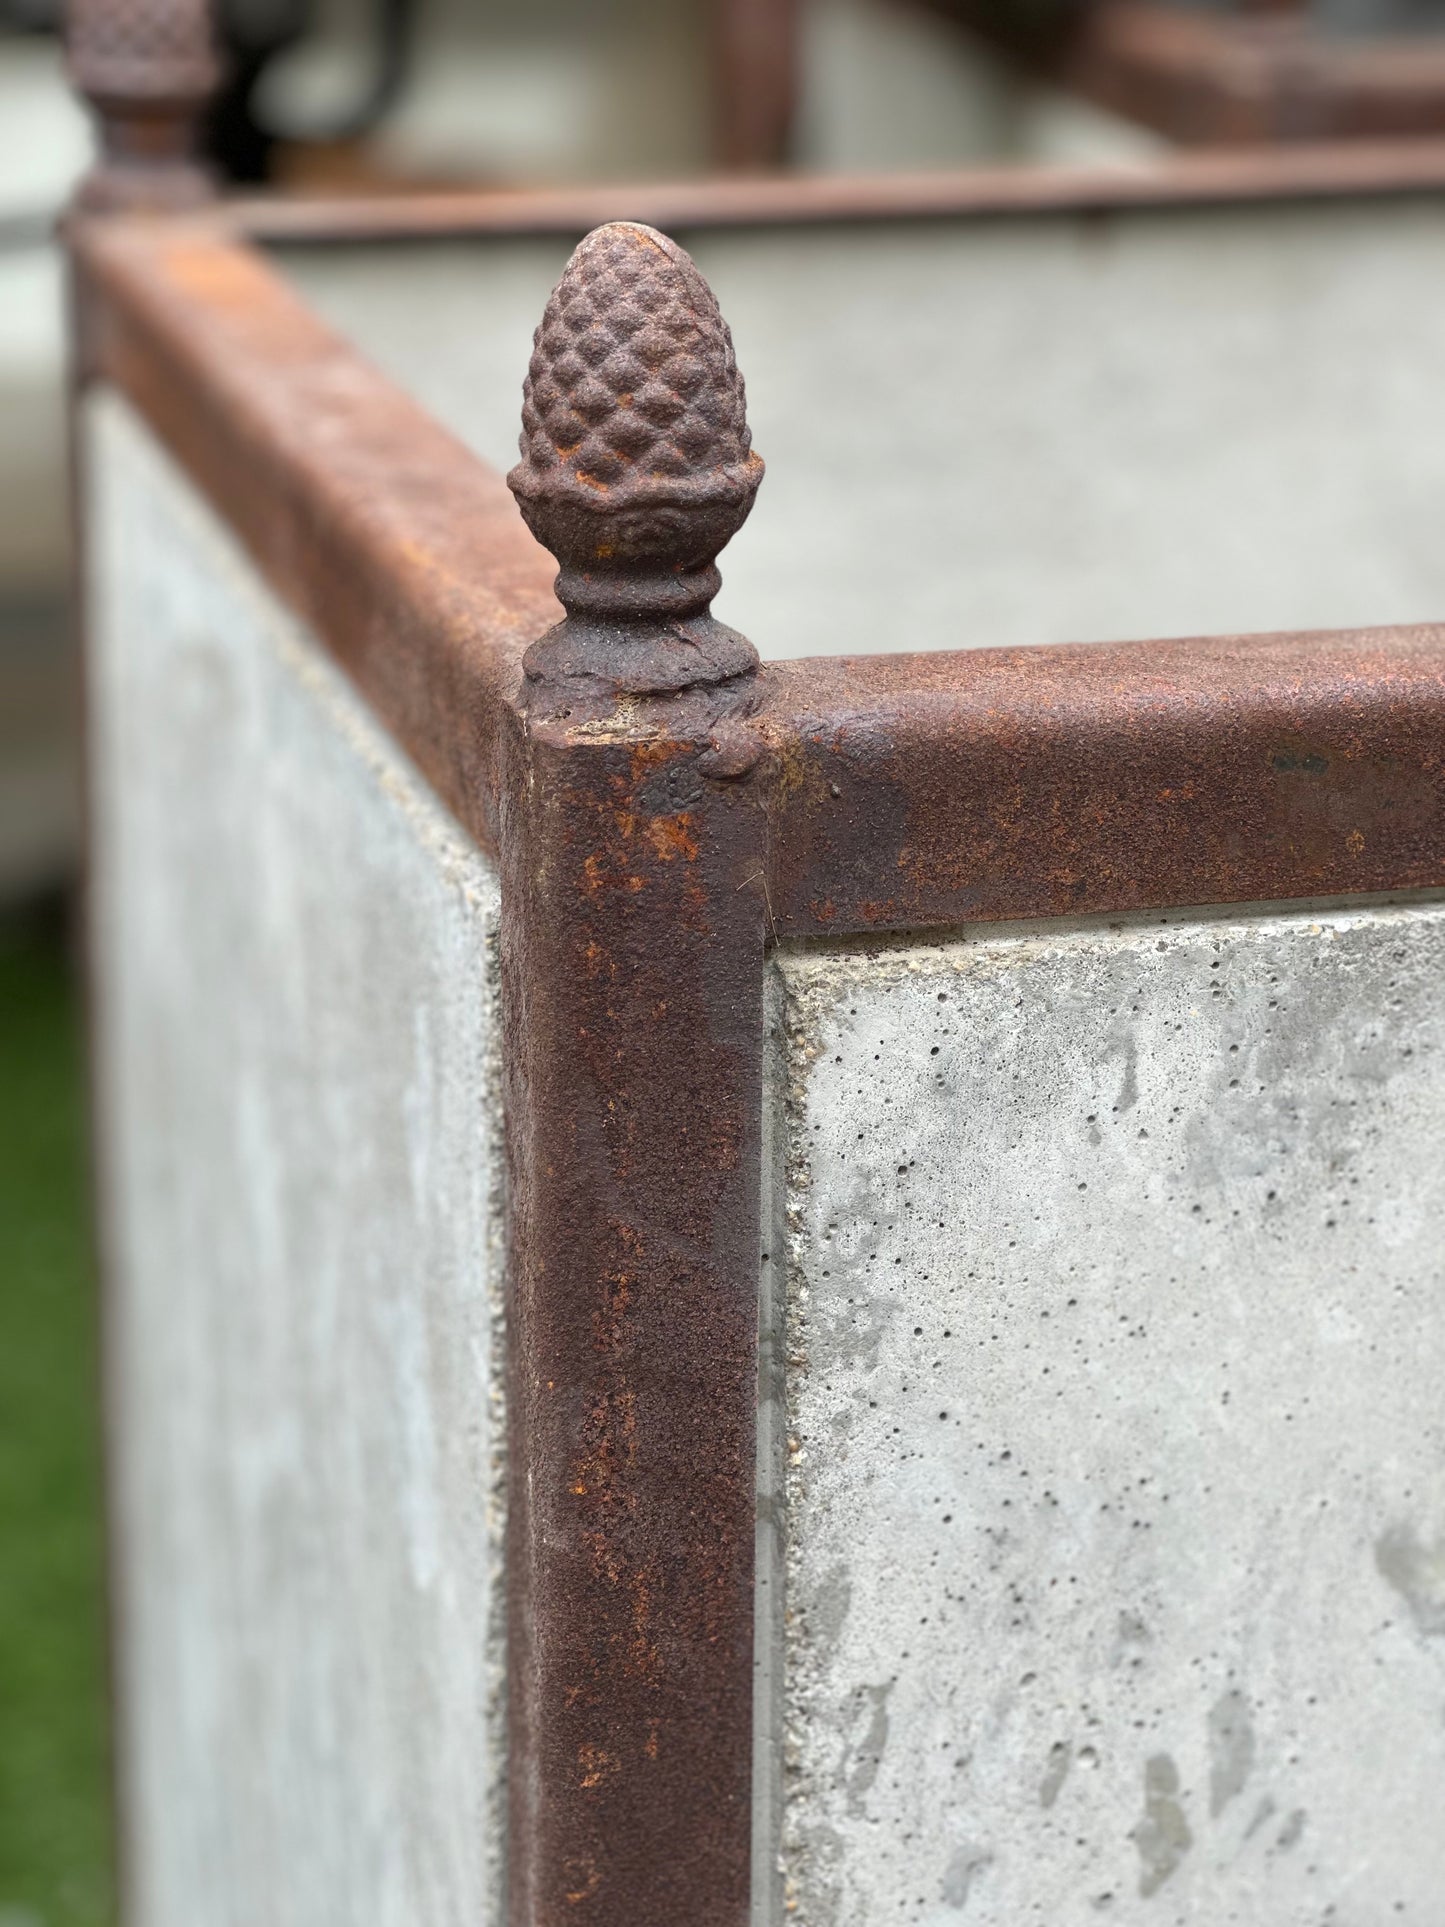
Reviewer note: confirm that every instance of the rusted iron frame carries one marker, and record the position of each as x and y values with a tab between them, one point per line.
632	946
936	789
406	554
1206	77
632	973
369	519
1328	171
1196	74
640	889
632	976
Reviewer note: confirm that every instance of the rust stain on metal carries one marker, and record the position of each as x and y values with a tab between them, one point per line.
1200	177
634	1093
673	836
756	58
1041	782
385	534
1269	73
632	973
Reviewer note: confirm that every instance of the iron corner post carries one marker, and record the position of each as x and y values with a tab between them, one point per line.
632	981
633	928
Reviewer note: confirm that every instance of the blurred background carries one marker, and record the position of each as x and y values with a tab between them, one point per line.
396	96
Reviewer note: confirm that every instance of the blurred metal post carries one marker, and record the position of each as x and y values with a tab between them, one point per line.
147	69
757	81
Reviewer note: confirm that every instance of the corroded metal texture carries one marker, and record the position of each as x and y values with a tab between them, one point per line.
365	515
630	848
632	976
148	68
128	51
934	789
632	951
637	467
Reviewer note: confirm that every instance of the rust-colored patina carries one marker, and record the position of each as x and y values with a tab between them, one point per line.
1221	177
1200	75
652	833
372	521
1273	71
913	791
632	964
632	952
407	555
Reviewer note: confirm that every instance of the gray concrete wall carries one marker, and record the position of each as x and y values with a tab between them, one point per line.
1022	430
296	1037
1111	1487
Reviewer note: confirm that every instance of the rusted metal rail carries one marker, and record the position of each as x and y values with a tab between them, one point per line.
756	58
409	557
1221	177
1204	76
1224	76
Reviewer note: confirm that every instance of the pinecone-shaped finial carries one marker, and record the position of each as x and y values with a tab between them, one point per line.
147	67
637	466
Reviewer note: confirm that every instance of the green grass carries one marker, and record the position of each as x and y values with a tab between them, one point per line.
54	1814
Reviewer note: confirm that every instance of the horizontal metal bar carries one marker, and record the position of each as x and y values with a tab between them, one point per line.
404	553
939	789
1242	175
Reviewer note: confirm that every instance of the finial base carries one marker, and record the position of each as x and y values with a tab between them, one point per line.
147	164
633	657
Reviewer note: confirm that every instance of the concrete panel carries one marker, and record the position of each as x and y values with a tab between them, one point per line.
296	1038
1022	430
886	86
1114	1492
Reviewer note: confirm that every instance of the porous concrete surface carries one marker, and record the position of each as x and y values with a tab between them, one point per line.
299	1158
1025	429
1114	1502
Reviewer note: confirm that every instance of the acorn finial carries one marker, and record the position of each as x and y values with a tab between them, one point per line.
147	67
637	467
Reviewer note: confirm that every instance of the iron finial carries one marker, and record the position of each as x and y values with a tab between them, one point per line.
637	467
148	68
